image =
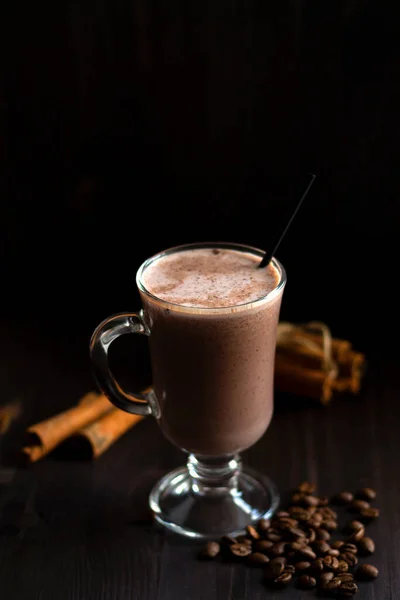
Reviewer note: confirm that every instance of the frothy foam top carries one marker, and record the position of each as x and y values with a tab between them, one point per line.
209	278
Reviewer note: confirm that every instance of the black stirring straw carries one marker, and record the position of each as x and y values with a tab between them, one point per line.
268	255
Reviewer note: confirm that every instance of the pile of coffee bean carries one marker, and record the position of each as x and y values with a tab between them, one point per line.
304	544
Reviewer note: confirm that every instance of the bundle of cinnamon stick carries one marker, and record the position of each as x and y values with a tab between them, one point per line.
309	362
94	420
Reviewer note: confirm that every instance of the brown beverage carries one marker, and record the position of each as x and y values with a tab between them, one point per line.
213	317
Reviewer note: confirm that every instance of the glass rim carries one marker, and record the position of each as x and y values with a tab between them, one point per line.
203	309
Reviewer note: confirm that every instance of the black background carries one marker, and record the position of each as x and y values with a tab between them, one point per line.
128	127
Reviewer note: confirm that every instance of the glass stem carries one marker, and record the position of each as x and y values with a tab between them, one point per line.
216	476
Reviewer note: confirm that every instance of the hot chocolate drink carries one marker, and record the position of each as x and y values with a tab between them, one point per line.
213	319
210	312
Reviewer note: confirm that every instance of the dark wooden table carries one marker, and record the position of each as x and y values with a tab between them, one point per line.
94	539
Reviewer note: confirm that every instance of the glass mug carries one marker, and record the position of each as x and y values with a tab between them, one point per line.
212	396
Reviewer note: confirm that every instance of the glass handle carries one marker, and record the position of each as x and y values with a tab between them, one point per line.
104	335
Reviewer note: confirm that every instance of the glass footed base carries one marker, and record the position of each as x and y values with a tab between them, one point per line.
178	507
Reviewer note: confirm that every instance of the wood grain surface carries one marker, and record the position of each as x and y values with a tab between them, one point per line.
94	538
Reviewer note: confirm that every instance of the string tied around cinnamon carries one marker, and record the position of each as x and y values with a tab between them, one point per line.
290	336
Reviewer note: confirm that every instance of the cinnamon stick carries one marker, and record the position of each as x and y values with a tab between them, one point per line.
313	383
8	414
347	384
312	357
297	371
43	437
106	430
353	364
340	347
301	357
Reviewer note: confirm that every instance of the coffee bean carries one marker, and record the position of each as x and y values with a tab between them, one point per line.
263	524
345	577
322	534
327	514
252	532
282	513
278	549
353	526
342	498
366	494
366	572
369	514
350	558
321	547
356	530
306	553
284	579
242	539
317	566
325	577
337	544
306	487
302	566
298	545
366	546
323	501
333	585
285	523
358	505
290	569
296	534
329	525
347	589
210	550
300	513
343	566
273	570
311	535
310	501
263	546
330	562
279	560
273	536
357	535
240	550
333	552
306	582
349	547
257	559
314	522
